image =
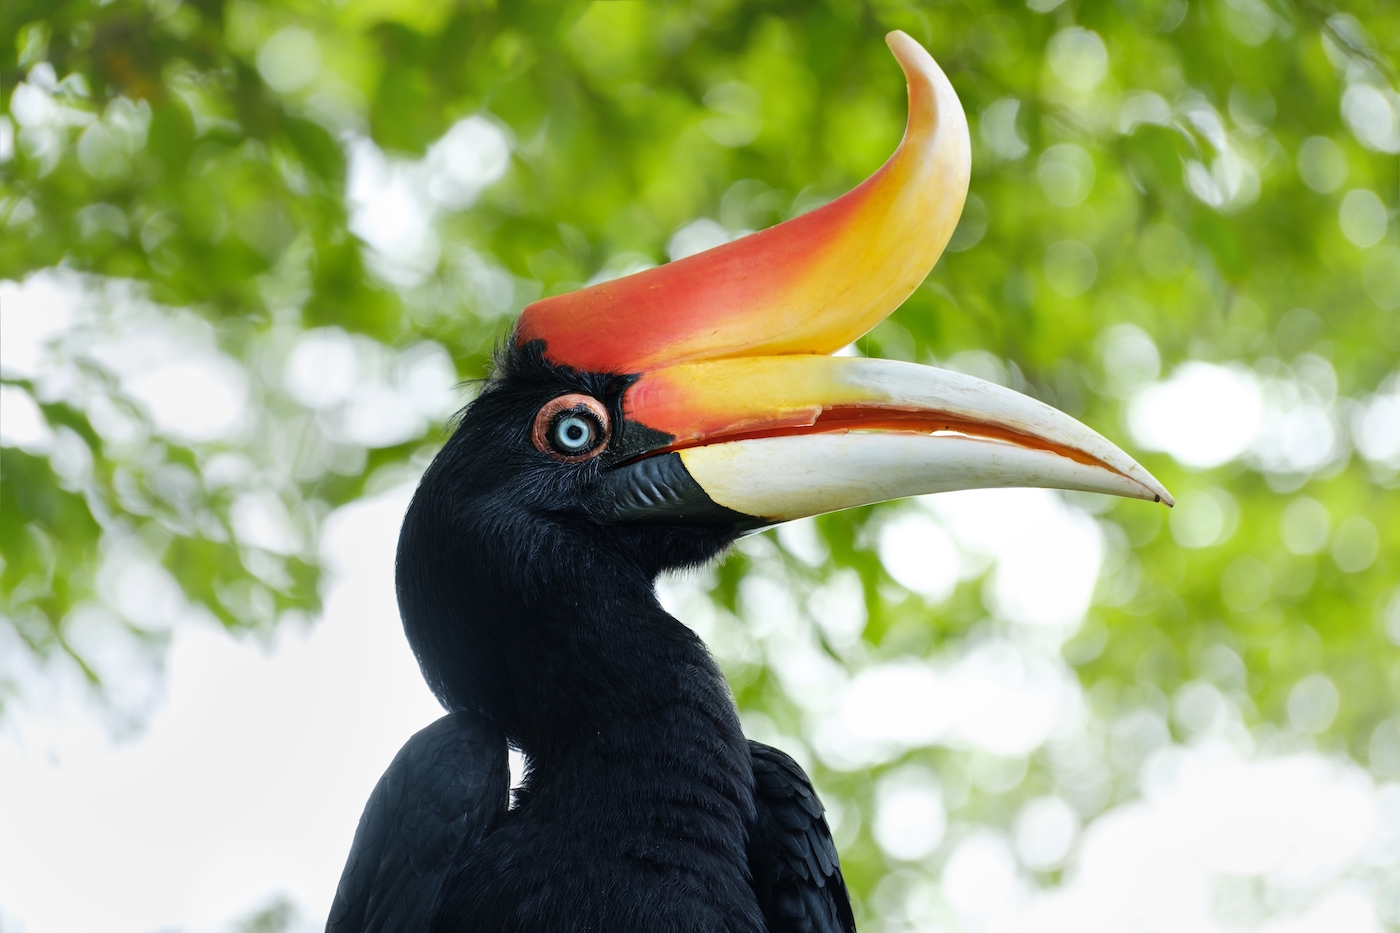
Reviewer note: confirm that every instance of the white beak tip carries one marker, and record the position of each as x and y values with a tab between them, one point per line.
1158	491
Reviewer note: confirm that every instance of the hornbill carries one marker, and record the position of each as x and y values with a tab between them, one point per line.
633	427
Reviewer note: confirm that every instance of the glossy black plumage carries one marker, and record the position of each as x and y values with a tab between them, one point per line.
443	791
531	609
796	872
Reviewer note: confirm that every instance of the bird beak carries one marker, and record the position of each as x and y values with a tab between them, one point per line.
784	437
738	413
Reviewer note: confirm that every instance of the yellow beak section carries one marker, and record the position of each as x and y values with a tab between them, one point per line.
783	437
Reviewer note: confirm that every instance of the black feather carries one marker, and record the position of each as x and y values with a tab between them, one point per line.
796	874
442	793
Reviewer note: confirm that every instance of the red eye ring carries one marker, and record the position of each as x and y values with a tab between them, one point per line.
555	413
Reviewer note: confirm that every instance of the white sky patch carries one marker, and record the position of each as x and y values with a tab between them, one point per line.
203	400
1045	832
920	555
1203	415
1280	419
394	202
471	155
261	519
909	815
45	124
425	378
168	361
1047	553
391	214
366	393
322	369
1300	431
996	697
248	782
22	424
887	709
802	540
769	607
838	607
32	314
806	671
1375	425
980	878
135	584
1299	820
376	416
1009	700
130	667
1220	842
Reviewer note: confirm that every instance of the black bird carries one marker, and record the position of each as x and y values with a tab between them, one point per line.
631	428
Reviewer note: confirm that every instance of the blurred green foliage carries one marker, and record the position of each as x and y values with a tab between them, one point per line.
1188	168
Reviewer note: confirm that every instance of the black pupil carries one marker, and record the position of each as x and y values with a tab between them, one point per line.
575	432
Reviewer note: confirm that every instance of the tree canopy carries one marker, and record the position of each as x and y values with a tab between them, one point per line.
249	248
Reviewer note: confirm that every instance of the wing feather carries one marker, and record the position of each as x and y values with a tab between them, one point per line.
796	872
440	795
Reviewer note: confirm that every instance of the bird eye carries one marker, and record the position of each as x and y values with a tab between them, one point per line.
571	428
573	433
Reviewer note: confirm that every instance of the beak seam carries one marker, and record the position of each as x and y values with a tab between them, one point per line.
890	419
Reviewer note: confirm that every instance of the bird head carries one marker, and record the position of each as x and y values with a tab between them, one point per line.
648	420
